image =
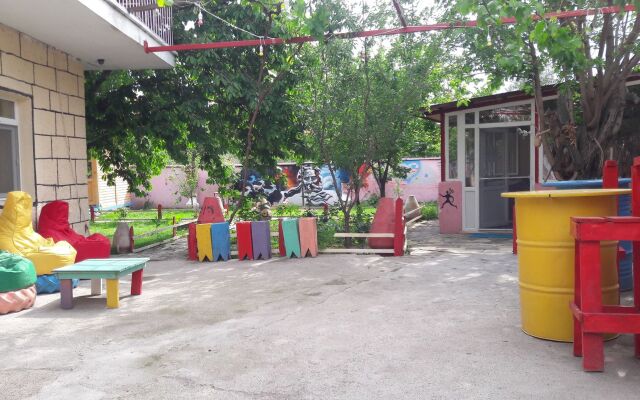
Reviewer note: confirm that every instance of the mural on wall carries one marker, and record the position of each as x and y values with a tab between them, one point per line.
306	185
421	181
318	188
418	172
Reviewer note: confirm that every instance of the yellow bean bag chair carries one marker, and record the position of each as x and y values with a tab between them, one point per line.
17	236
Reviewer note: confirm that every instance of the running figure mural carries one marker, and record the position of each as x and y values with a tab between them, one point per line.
448	198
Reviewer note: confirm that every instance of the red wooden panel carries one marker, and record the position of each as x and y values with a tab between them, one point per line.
245	246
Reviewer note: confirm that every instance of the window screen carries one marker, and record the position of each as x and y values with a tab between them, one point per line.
8	159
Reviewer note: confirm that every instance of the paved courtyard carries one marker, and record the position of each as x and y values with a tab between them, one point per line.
442	323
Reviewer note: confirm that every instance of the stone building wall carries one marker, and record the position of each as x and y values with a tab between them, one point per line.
48	85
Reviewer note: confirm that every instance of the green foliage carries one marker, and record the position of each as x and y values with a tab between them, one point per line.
286	210
430	210
136	120
591	56
123	212
187	181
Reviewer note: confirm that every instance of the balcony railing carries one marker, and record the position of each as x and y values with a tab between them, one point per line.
159	20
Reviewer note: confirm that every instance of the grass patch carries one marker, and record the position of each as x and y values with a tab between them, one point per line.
143	221
126	214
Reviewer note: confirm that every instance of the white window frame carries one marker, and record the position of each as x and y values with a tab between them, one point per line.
12	125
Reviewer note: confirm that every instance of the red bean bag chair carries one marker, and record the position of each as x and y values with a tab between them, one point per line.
54	224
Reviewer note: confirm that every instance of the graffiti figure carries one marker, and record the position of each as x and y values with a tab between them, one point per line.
257	187
310	186
448	198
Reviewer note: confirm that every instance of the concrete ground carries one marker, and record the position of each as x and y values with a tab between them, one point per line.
442	323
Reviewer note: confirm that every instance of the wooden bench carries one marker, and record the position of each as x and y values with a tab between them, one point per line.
110	269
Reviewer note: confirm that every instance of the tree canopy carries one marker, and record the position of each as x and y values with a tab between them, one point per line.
591	57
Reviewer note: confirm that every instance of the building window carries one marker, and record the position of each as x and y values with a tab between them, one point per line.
9	149
469	157
506	114
9	160
452	146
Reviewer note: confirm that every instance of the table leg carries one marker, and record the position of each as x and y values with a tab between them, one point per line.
577	325
96	287
66	294
591	302
113	297
136	283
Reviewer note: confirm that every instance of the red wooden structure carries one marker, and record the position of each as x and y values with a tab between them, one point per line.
245	245
591	317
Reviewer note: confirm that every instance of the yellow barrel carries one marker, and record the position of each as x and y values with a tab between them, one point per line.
546	256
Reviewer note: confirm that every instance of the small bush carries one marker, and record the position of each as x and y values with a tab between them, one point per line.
123	213
430	211
286	210
372	200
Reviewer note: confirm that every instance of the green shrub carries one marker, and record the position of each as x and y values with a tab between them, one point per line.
430	210
123	212
286	210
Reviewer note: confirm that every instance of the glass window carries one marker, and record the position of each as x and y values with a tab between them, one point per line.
506	114
8	160
469	157
470	118
452	146
7	109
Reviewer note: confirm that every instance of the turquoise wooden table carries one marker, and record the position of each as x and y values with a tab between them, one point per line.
110	269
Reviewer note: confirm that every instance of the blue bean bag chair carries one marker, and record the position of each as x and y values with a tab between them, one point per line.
50	284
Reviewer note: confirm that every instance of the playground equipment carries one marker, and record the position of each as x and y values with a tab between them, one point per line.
297	237
592	316
17	236
210	212
546	256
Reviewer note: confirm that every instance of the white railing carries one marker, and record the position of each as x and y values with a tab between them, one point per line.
158	20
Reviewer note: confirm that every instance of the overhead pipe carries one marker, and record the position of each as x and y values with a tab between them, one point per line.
378	32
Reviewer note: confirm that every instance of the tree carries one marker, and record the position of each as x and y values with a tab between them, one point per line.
593	56
136	119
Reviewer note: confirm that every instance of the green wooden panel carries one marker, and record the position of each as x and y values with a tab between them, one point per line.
106	268
291	237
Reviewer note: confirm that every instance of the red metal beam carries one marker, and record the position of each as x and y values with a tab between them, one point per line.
377	32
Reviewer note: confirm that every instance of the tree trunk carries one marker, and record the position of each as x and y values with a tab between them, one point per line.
347	226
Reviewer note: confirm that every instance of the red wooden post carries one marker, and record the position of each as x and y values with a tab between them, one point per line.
192	245
92	211
131	241
635	211
159	211
398	238
175	230
635	187
610	174
591	302
577	325
136	283
281	248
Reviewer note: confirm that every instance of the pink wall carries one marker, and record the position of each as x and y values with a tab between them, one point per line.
422	181
163	190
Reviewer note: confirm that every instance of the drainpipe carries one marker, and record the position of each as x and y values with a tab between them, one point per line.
443	158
